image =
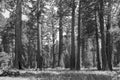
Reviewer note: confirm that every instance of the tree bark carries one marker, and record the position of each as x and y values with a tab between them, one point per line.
53	36
97	45
78	65
18	41
72	59
39	55
103	46
108	39
60	33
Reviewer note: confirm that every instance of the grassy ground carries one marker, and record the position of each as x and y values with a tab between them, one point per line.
63	74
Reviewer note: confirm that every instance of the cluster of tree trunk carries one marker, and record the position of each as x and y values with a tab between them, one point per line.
104	62
18	37
106	39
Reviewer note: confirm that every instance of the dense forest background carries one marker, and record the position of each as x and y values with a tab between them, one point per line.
73	34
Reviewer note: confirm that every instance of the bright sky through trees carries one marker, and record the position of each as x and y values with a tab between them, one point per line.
6	14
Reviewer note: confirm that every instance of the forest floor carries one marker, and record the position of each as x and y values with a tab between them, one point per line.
64	74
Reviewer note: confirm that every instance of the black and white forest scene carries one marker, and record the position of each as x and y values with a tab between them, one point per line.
59	39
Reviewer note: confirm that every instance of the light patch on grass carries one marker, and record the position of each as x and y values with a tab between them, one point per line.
13	78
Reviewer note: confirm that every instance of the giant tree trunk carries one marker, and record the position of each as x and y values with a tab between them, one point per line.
109	50
103	46
78	45
60	40
53	52
39	56
72	59
18	41
97	45
60	34
108	39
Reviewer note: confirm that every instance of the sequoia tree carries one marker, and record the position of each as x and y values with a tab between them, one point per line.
18	41
72	58
78	45
39	57
102	31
